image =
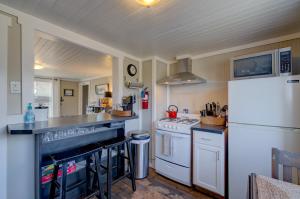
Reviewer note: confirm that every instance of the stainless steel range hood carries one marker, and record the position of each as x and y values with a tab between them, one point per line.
183	75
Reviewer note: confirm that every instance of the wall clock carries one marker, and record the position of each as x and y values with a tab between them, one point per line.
131	70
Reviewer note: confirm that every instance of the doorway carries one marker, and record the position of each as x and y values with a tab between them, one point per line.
78	71
85	99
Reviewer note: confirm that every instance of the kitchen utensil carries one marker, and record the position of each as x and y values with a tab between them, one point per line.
172	111
218	109
208	107
203	113
214	108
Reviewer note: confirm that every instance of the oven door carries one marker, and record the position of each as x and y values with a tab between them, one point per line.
173	147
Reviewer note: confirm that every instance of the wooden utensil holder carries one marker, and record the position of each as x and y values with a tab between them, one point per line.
210	120
121	113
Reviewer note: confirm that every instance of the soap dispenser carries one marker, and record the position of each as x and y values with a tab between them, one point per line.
29	116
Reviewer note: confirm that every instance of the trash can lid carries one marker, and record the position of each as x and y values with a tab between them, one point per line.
144	136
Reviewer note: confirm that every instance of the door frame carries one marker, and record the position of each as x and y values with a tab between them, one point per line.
81	84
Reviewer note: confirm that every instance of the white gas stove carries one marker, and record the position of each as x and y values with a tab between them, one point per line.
180	125
173	148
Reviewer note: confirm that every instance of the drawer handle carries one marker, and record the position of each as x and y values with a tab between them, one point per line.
205	139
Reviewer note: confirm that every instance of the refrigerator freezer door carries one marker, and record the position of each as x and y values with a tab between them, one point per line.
250	152
273	101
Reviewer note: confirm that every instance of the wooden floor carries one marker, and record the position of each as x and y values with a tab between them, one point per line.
155	187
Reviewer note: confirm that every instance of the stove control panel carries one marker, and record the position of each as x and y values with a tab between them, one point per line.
179	128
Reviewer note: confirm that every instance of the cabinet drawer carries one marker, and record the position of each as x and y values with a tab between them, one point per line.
212	139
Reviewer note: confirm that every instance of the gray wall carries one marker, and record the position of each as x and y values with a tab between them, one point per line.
92	94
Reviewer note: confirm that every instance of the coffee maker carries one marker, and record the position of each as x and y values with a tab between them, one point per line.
128	102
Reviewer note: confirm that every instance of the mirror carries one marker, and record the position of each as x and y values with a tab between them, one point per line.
70	79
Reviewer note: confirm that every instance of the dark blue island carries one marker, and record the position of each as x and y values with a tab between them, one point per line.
66	133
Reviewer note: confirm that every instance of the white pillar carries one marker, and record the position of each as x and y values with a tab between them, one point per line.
4	23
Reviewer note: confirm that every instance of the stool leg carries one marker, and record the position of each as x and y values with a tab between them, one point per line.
131	165
109	173
64	180
98	170
88	174
119	172
53	183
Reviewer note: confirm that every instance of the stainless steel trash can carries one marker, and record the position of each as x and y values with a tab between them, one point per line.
140	151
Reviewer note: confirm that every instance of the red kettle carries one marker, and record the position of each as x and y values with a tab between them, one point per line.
172	111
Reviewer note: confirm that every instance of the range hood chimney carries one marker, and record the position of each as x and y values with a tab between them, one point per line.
183	74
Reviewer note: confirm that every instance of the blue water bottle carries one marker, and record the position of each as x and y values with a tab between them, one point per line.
29	115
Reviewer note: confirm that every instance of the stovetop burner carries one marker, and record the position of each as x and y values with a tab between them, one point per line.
186	121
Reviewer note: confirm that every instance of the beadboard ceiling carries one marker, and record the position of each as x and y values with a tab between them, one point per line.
173	27
64	59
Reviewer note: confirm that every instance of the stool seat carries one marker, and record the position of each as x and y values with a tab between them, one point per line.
114	142
79	153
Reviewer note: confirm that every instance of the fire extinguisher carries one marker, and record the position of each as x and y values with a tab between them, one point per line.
145	98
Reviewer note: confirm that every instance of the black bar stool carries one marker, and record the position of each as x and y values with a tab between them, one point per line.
83	153
117	144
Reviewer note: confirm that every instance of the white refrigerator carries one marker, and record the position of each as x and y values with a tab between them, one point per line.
263	113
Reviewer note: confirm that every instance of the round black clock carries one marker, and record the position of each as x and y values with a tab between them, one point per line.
131	70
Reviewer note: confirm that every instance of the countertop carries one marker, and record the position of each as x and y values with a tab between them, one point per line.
64	122
209	128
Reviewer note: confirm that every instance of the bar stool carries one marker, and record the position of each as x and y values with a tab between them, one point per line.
83	153
117	144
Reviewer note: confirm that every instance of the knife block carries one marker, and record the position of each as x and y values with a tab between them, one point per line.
210	120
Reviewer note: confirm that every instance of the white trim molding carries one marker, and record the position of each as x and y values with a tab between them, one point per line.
5	22
249	45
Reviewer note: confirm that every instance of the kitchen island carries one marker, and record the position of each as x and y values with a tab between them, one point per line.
62	134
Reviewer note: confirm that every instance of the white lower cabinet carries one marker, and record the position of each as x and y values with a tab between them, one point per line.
208	162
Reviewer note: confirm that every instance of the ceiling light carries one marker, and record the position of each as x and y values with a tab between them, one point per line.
148	3
38	67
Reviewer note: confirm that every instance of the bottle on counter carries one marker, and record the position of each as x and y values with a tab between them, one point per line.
29	116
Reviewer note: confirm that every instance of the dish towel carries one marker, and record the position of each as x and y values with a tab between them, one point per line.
270	188
167	144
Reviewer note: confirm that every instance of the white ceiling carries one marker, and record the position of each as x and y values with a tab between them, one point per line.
64	59
172	28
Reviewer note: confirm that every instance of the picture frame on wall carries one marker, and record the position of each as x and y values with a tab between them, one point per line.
101	89
68	92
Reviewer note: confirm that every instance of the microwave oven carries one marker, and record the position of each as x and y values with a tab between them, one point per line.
263	64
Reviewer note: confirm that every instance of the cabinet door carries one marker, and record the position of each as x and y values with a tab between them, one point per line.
209	168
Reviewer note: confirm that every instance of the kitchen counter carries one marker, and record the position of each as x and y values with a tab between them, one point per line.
210	128
54	124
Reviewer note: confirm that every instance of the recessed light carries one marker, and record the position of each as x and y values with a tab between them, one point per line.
38	67
148	3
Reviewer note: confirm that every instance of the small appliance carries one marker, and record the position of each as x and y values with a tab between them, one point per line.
263	64
128	102
173	148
